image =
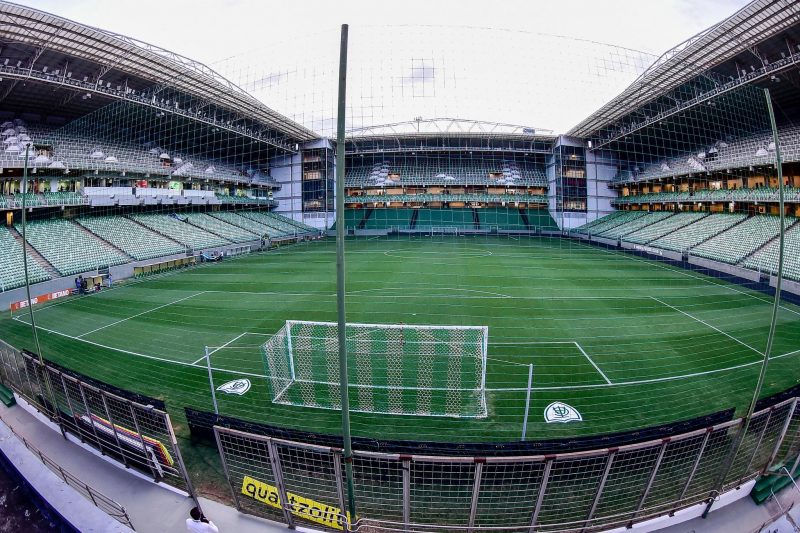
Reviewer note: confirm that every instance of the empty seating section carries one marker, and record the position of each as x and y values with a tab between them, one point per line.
477	197
766	259
179	230
697	232
64	198
760	194
135	240
446	172
304	228
69	248
739	241
223	229
621	230
611	221
246	223
725	154
281	227
434	218
12	273
663	227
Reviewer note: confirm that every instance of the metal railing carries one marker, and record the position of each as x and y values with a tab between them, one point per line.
98	499
301	484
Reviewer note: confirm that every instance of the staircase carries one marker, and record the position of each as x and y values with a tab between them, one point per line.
413	223
32	252
476	219
524	215
366	217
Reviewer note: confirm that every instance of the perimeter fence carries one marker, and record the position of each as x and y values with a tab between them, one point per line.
302	484
137	435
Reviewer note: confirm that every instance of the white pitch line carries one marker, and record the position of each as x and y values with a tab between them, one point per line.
687	273
139	314
218	348
562	387
586	355
707	324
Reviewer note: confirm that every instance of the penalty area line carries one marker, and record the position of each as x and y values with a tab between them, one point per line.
586	355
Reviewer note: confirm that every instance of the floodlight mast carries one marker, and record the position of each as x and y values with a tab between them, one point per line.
340	271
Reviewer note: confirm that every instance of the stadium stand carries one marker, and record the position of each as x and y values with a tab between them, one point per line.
12	274
634	224
748	151
760	194
766	259
69	248
135	240
280	224
466	198
246	223
304	228
219	227
697	232
741	240
663	227
446	172
180	230
459	218
609	221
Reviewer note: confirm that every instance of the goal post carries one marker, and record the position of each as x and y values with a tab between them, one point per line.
399	369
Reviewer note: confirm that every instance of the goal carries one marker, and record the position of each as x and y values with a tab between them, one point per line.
444	230
393	368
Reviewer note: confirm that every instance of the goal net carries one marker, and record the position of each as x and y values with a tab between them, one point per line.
394	369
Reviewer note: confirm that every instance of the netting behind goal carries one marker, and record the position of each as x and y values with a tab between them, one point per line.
395	369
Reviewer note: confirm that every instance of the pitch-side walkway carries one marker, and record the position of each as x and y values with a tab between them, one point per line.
152	508
158	509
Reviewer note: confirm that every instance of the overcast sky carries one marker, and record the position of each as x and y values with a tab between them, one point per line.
284	52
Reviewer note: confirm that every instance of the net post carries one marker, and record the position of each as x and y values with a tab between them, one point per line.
340	272
289	324
527	403
211	381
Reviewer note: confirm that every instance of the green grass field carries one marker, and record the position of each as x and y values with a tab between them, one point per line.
628	342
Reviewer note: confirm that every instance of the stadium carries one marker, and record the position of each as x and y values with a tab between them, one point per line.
587	329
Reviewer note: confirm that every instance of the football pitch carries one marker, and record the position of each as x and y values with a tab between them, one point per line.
628	342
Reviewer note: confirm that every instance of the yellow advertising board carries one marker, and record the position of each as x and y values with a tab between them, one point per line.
299	506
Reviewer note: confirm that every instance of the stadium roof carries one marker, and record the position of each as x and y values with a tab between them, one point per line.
738	33
47	32
447	127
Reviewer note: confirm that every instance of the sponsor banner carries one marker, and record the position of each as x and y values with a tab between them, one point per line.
301	507
15	306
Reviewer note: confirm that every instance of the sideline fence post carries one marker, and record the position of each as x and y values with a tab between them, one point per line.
114	429
650	481
141	441
609	462
548	466
781	436
476	491
277	471
527	403
89	416
406	460
179	457
337	469
211	382
221	450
